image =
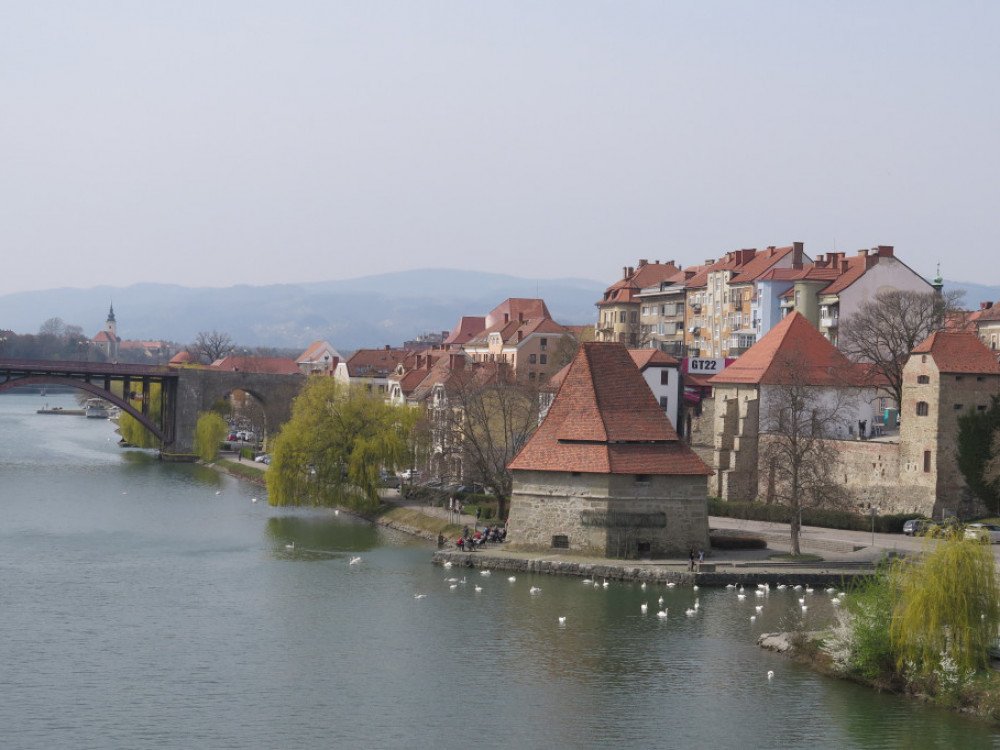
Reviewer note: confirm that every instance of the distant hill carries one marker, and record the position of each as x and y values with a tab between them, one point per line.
370	311
367	312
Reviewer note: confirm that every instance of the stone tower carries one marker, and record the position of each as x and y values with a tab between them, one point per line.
947	375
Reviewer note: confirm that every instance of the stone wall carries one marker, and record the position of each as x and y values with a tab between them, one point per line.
608	515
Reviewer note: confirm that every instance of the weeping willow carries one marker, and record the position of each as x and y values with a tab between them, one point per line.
336	444
208	433
132	431
949	607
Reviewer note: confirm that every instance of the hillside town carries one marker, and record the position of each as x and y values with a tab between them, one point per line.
679	391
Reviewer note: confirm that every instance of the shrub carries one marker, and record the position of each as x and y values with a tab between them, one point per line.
823	517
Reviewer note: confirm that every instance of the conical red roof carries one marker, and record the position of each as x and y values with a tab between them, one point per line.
605	419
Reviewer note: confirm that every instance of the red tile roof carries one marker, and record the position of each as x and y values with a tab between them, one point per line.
316	350
793	340
369	363
605	420
466	330
646	275
959	352
264	365
643	358
516	308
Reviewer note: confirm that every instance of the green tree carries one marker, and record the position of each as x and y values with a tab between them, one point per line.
334	447
131	430
948	609
979	452
208	433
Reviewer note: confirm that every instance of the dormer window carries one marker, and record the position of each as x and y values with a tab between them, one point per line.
923	379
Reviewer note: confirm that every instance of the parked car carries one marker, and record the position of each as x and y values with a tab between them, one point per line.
263	458
915	526
984	532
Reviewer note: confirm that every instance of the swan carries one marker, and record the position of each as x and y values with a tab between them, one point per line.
453	586
661	601
419	596
218	492
835	602
512	579
730	585
662	613
759	608
690	612
770	674
671	585
484	573
804	609
644	607
478	588
290	546
447	564
605	584
587	581
253	499
355	560
741	597
695	587
534	590
753	618
562	620
643	586
759	592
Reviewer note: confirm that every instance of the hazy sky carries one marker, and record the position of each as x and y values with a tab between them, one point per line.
214	143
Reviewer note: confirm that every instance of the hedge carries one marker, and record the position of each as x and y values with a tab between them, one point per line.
823	517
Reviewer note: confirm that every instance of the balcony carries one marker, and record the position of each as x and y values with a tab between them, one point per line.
829	322
695	307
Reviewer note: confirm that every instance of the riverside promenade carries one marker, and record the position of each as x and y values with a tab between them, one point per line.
844	555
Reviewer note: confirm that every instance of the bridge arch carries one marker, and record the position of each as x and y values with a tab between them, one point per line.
95	389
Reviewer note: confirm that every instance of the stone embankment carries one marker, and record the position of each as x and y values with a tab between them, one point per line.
707	574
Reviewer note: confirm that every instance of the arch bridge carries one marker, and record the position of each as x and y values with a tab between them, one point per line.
184	392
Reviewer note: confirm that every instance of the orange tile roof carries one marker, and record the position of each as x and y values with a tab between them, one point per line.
605	420
792	340
959	352
316	349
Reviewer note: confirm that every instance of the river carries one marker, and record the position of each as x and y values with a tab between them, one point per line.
152	605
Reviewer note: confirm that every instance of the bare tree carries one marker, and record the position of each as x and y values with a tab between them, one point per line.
487	418
52	327
212	345
886	328
798	417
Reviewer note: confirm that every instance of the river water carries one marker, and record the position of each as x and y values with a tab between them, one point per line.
150	605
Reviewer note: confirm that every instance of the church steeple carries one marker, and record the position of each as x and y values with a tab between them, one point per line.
938	282
111	326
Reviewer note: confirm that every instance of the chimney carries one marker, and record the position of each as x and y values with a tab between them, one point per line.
387	347
624	272
844	265
863	252
631	270
642	262
520	335
709	261
798	250
506	317
886	251
520	316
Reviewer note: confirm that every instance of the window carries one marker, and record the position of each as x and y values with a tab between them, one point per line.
544	344
531	359
663	403
544	359
664	377
958	407
923	379
531	375
621	316
560	541
922	409
927	462
642	479
959	377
